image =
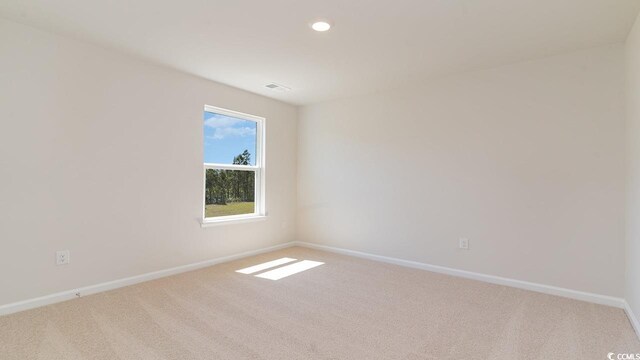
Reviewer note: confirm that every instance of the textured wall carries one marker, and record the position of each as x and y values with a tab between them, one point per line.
525	160
633	169
102	155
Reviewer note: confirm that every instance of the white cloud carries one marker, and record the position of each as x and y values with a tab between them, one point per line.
223	132
224	127
221	122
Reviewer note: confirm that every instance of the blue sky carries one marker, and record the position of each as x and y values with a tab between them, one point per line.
226	137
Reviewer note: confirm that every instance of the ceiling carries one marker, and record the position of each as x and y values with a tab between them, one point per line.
374	44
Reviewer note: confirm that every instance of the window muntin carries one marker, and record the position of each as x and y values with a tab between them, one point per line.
233	165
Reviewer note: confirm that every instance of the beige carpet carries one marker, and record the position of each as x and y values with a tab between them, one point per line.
348	308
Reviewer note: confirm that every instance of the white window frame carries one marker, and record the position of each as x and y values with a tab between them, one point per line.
258	169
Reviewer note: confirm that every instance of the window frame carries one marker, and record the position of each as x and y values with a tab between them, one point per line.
258	169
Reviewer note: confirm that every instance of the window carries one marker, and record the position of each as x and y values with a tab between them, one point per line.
233	166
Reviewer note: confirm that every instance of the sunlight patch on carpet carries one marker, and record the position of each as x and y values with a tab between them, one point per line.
266	265
289	270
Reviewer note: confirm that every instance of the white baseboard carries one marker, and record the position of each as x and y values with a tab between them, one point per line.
546	289
110	285
635	323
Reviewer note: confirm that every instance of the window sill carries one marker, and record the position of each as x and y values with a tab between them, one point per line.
235	220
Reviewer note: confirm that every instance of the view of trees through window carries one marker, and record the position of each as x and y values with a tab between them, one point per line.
230	192
232	163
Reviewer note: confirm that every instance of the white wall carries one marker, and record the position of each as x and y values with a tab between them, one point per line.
101	154
633	169
525	160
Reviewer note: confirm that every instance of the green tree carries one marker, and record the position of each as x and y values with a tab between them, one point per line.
223	186
243	180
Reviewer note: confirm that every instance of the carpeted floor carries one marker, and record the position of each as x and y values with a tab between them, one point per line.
348	308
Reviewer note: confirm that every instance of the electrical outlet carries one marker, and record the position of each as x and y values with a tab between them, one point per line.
62	257
464	243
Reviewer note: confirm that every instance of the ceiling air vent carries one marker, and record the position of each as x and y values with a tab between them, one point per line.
278	87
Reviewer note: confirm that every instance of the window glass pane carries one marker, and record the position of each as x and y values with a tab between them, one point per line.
229	192
229	140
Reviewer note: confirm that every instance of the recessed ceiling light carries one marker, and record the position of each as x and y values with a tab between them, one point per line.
321	26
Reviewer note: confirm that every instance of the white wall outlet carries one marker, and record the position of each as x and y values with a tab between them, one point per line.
62	257
464	243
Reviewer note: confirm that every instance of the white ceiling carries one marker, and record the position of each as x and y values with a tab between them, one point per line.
374	44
